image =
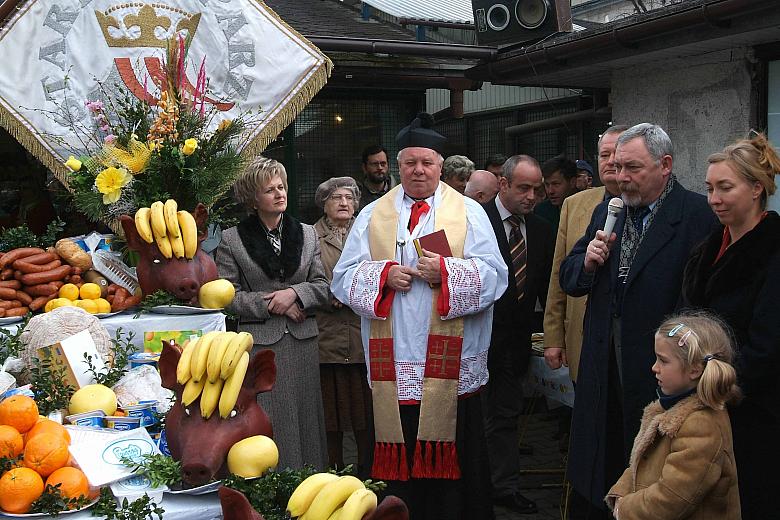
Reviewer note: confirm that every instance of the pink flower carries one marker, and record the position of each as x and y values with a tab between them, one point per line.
105	128
94	106
109	139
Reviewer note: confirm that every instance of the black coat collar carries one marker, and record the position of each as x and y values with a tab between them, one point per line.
252	233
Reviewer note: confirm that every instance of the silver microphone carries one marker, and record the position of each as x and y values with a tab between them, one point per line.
613	210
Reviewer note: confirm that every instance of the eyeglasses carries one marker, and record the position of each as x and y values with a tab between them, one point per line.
375	164
338	198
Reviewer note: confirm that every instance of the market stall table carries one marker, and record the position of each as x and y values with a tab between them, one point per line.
150	322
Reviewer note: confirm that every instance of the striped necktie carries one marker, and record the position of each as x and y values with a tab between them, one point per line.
518	253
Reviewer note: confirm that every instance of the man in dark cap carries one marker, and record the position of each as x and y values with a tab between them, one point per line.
426	347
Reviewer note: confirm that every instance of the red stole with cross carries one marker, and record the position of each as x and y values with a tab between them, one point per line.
435	455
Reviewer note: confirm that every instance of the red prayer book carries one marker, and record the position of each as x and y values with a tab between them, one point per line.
435	242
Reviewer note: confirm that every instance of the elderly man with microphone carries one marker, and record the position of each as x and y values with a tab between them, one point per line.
630	264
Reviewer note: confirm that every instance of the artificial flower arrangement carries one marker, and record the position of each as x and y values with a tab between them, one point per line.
139	152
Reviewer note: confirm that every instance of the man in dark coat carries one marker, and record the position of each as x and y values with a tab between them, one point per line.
633	280
529	263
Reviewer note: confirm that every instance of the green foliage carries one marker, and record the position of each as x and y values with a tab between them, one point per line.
7	463
21	236
158	297
11	342
160	469
270	493
140	509
52	503
49	386
123	348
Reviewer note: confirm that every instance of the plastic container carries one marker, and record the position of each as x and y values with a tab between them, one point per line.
162	444
93	418
143	358
122	423
133	488
144	410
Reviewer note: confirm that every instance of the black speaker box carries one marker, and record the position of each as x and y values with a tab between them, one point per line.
503	22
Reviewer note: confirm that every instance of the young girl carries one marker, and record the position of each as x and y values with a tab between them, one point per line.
682	464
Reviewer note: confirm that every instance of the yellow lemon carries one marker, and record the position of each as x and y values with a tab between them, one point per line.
103	306
93	397
69	291
49	305
88	305
89	291
61	302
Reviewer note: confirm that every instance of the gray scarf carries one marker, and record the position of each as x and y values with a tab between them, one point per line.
631	238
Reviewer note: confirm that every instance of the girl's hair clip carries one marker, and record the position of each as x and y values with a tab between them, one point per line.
708	357
684	338
675	330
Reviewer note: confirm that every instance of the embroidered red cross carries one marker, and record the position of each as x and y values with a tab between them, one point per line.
443	358
382	363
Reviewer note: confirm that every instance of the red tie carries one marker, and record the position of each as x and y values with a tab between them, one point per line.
419	209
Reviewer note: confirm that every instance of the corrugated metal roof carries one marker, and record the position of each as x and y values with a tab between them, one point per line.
457	11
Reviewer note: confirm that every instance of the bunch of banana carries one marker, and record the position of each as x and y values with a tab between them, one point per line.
202	371
175	232
325	496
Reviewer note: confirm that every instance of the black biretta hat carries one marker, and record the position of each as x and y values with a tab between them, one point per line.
420	133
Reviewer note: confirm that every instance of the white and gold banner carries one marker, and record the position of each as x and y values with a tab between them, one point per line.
55	53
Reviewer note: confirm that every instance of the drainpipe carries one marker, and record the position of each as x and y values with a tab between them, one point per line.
398	47
432	23
510	132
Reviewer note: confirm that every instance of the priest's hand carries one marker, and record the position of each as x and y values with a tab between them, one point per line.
429	266
280	301
400	277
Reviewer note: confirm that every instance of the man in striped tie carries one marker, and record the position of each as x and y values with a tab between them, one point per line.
527	243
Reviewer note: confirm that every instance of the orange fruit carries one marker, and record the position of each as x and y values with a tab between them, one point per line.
11	442
19	488
48	426
46	453
19	411
89	291
69	291
73	482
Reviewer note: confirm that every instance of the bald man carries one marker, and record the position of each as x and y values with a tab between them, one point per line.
482	186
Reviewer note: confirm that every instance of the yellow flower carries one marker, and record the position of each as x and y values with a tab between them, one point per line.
110	182
73	163
224	124
189	146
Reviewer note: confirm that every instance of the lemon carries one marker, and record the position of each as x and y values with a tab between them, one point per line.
216	294
88	305
69	291
103	306
61	302
253	456
89	291
49	305
93	397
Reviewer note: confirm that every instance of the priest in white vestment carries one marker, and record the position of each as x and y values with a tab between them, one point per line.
426	327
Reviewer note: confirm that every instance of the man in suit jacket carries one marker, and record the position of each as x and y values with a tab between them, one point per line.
633	279
563	314
510	213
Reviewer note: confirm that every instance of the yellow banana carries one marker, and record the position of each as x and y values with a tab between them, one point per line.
359	503
227	401
303	495
332	496
336	514
201	355
191	391
217	351
177	246
189	233
171	219
210	398
158	219
164	245
183	370
143	224
240	344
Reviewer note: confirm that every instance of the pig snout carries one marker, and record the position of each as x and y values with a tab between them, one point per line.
196	474
185	289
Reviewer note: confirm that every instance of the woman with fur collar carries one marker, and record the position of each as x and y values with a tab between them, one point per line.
274	263
735	273
682	464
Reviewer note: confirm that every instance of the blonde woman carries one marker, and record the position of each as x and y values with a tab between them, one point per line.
736	274
274	263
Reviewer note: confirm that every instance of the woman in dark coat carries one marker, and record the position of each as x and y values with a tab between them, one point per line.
736	274
274	263
345	392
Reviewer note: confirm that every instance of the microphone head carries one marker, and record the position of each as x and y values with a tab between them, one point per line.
615	205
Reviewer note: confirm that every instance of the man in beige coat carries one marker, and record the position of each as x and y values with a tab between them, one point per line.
564	314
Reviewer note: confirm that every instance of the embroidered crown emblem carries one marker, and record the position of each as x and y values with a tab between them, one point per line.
144	25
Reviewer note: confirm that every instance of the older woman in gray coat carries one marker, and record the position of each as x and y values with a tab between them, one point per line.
345	391
274	263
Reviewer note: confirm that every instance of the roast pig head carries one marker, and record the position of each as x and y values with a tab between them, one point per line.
178	276
201	445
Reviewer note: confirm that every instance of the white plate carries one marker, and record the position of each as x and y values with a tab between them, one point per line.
39	515
181	309
10	319
106	314
211	487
